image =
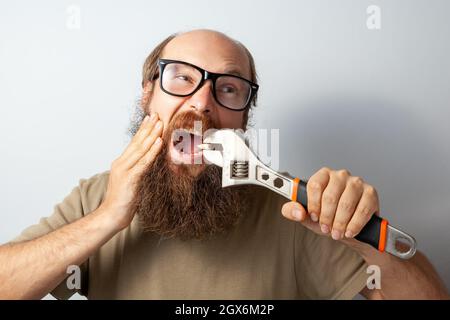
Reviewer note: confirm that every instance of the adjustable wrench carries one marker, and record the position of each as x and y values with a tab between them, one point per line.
227	148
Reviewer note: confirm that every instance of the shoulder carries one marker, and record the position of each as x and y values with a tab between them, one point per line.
83	199
95	182
92	190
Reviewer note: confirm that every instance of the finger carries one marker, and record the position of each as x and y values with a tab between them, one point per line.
330	199
314	188
367	206
146	127
145	145
288	210
293	211
148	158
346	206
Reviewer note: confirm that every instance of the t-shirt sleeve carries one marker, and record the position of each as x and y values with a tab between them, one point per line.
325	268
83	199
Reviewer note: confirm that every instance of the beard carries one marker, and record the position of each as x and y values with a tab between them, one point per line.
186	201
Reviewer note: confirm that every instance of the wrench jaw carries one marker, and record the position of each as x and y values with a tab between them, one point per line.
227	148
233	156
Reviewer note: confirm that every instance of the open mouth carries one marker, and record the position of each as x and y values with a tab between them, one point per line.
184	146
186	141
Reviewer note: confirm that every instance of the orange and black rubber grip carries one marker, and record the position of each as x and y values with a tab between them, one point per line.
373	233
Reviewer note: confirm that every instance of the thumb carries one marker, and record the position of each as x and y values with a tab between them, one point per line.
296	212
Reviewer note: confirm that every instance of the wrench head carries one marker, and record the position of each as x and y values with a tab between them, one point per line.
226	145
227	148
240	166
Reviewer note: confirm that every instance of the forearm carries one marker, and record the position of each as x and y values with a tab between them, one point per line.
31	269
415	278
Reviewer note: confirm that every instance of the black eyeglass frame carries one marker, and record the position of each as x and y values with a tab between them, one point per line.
206	75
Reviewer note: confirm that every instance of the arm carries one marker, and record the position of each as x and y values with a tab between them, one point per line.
415	278
339	206
31	269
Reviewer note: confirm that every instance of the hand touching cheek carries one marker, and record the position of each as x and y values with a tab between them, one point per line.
126	170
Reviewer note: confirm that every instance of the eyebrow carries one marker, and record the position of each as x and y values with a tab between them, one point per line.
233	71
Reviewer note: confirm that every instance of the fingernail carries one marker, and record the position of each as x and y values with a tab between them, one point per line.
158	140
348	234
314	217
297	214
324	228
153	116
159	124
336	235
146	118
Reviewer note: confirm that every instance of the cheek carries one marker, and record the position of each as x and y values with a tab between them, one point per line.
165	105
230	119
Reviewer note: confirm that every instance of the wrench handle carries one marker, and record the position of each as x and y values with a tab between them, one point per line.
373	233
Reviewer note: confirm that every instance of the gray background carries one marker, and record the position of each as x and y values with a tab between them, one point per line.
372	101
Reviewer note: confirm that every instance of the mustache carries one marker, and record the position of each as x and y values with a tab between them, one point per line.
189	119
184	120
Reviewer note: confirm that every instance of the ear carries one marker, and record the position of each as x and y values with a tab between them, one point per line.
147	90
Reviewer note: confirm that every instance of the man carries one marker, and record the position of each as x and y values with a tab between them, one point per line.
152	228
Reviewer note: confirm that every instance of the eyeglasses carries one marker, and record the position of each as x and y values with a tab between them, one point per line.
182	79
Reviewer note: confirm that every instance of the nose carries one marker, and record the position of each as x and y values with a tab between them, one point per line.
202	100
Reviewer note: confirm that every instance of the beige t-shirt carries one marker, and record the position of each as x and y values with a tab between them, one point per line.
265	256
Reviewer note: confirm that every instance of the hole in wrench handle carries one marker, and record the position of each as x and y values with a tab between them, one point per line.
375	232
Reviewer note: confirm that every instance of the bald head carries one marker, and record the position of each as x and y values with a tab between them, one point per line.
211	50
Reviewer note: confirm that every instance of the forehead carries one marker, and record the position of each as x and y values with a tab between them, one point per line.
211	51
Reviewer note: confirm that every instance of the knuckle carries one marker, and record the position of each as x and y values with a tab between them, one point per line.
371	191
343	173
329	199
346	206
324	170
356	182
315	186
366	212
